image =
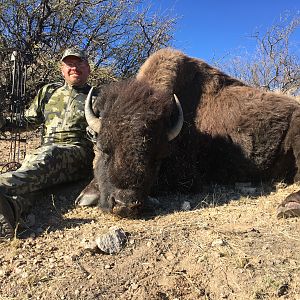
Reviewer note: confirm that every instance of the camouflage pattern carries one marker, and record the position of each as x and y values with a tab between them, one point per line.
46	166
62	114
65	155
74	52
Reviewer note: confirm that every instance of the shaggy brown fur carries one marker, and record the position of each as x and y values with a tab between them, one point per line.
232	132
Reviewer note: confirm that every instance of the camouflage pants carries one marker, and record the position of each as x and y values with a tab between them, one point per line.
45	167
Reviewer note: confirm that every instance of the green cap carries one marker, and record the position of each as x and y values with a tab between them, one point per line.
74	52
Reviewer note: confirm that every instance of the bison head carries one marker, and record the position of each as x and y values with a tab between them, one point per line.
134	130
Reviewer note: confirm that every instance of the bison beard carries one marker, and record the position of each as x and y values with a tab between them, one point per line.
231	132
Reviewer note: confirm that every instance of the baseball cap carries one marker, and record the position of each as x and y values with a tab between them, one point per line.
74	52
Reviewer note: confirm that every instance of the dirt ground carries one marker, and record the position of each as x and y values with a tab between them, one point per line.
229	245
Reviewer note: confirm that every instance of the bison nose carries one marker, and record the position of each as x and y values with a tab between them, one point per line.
115	201
124	203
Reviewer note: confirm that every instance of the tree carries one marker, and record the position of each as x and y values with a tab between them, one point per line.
275	65
117	34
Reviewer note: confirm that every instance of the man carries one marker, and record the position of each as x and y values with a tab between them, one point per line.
65	154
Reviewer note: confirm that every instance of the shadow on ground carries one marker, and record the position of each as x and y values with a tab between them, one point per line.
47	214
48	209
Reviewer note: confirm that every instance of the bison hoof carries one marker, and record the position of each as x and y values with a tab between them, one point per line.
290	207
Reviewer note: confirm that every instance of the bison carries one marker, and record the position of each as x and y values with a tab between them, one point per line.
221	130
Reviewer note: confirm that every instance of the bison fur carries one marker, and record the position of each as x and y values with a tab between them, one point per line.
231	132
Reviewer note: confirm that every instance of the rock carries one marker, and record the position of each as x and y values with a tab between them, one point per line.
131	241
218	242
170	256
108	266
186	206
113	241
134	286
283	290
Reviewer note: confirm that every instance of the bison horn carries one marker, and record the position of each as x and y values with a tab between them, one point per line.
175	130
93	121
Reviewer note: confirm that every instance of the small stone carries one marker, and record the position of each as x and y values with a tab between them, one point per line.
205	226
108	266
134	286
202	258
283	290
186	206
218	242
113	241
170	256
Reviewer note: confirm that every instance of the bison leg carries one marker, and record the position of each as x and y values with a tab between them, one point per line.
89	195
290	207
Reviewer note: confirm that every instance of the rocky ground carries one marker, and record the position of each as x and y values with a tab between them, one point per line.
225	243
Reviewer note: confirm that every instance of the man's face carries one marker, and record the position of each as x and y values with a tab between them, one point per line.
75	70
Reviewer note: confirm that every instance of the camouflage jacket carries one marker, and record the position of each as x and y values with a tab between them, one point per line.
60	108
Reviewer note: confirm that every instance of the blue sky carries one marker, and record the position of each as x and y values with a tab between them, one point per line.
213	28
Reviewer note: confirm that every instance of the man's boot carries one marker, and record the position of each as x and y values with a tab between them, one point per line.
7	218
